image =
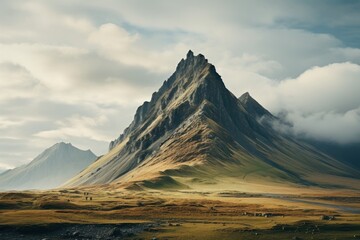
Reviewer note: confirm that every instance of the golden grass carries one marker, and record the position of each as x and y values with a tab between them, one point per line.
113	206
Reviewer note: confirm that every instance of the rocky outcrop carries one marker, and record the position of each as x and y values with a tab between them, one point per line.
187	70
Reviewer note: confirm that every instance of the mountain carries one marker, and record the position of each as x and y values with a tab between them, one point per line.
48	170
194	133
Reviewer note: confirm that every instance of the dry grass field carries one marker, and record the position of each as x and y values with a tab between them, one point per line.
124	214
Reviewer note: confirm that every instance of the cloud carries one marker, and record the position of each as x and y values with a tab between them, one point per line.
330	88
343	128
6	123
322	103
77	126
16	80
114	42
65	71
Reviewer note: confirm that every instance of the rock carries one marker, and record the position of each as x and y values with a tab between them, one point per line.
115	232
267	215
326	217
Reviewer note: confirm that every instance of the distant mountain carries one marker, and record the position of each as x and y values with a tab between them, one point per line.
194	133
50	169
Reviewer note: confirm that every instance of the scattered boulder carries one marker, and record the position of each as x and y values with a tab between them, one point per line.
328	218
75	234
115	232
267	215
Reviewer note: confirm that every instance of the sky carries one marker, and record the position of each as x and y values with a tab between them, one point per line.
75	71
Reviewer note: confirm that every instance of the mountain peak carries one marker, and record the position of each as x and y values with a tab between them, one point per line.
245	97
253	107
190	54
61	145
192	63
49	169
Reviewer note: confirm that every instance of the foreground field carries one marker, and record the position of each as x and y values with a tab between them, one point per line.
91	214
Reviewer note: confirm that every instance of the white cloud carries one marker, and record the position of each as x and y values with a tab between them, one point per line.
77	126
16	80
113	37
8	122
330	88
61	74
329	126
116	43
322	103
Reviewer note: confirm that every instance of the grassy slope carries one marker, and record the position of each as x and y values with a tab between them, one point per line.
205	157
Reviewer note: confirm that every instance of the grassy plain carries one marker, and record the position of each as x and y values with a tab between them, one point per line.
186	214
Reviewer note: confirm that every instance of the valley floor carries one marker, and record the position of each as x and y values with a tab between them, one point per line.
115	214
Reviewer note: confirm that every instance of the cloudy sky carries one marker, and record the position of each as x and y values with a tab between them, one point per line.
75	71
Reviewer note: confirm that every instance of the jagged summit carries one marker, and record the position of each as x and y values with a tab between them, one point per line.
190	54
194	130
245	97
62	145
192	61
253	107
187	85
66	145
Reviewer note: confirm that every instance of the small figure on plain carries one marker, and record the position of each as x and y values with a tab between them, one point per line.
90	198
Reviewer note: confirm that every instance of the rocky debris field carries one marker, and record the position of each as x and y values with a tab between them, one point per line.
74	231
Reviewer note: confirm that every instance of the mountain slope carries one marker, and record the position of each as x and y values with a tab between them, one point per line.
194	132
50	169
